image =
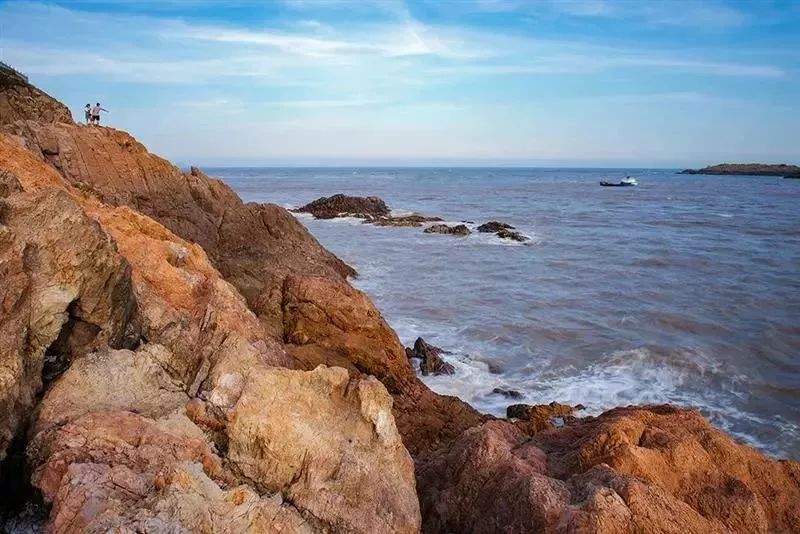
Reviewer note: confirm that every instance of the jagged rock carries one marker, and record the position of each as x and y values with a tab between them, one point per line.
329	322
655	469
212	345
20	101
254	246
431	362
111	380
341	205
458	230
64	291
492	227
508	234
414	220
539	417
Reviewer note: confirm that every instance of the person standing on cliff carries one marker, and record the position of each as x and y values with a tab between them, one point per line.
96	113
88	114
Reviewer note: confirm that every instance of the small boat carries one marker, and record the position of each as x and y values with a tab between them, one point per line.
628	181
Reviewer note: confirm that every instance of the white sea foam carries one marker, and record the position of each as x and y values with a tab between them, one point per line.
627	377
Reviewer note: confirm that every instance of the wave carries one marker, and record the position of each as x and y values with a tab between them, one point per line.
638	376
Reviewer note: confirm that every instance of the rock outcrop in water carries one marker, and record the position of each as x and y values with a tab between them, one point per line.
431	361
492	227
341	205
460	230
748	169
172	359
414	220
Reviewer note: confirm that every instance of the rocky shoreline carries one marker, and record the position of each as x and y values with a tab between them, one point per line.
748	169
174	359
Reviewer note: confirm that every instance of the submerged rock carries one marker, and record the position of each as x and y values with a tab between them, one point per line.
432	363
413	220
509	234
341	205
494	226
459	230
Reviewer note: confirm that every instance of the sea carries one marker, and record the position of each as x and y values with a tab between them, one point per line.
684	289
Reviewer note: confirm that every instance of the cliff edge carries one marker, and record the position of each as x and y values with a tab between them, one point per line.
174	359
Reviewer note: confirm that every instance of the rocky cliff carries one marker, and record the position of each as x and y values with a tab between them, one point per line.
174	359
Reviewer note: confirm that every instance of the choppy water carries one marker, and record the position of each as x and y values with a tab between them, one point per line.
685	289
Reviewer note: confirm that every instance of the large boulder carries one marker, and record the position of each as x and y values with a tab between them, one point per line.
341	205
329	445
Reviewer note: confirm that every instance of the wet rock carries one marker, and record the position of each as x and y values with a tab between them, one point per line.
414	220
539	415
431	360
509	234
495	368
508	393
459	230
341	205
494	226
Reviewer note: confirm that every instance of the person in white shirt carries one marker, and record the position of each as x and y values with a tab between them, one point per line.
96	113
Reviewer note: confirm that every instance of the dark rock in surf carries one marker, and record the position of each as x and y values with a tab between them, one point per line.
431	362
509	234
507	393
459	230
341	205
493	227
413	220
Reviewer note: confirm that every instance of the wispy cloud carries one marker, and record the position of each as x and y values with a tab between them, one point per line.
685	13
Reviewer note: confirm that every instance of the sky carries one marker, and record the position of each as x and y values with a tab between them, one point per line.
673	83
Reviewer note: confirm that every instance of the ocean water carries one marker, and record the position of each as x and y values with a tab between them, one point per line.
685	289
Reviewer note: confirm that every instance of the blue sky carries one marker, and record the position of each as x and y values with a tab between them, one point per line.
548	82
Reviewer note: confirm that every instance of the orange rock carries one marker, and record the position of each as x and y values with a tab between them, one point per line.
652	469
254	246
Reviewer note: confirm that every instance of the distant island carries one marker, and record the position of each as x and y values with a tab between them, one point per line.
749	169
